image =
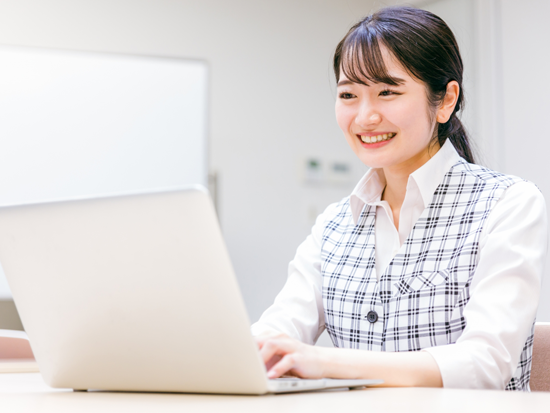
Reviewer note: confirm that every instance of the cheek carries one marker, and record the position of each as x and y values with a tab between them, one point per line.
344	117
412	119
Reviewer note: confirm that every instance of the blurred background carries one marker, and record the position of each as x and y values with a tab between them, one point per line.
276	157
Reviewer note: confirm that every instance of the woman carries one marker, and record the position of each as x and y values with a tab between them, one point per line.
429	273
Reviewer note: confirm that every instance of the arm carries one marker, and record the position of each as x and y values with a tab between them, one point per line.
504	294
284	355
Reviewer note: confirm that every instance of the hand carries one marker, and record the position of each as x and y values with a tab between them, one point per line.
284	355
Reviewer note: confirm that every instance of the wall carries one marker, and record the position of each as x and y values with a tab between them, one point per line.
271	102
525	144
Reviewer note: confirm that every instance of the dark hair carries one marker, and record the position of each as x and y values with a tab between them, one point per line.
423	44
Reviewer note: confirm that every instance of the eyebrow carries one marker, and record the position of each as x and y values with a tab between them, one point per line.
345	82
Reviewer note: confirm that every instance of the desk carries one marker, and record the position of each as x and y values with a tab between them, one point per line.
26	392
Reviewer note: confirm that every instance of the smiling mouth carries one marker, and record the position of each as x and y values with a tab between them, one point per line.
377	138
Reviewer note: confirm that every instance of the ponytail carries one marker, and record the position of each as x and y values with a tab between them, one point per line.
454	131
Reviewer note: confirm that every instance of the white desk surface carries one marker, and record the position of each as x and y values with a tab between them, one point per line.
26	392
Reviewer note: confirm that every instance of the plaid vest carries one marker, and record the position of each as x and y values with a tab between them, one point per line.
420	298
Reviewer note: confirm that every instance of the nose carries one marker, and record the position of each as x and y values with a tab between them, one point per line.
367	116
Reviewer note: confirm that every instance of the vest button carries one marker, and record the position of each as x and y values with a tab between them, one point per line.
372	317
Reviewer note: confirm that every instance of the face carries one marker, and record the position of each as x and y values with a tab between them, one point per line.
387	126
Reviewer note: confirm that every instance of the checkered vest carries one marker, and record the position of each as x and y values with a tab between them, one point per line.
420	298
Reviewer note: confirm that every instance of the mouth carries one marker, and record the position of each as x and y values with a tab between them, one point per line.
377	138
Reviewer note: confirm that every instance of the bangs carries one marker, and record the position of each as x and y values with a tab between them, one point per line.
362	61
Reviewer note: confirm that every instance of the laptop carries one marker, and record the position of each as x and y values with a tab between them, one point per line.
135	293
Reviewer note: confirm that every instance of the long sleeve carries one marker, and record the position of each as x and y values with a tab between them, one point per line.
504	294
298	308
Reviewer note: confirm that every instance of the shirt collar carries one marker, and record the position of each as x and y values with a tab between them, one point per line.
430	175
369	189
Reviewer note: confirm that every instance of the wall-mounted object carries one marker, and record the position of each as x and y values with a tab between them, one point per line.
82	124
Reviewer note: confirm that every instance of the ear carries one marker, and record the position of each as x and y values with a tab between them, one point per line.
449	102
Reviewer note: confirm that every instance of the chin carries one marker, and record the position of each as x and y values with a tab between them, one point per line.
374	161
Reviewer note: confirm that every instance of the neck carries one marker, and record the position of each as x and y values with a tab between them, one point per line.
396	188
397	177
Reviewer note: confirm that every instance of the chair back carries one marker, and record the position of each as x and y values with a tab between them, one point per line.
540	368
14	345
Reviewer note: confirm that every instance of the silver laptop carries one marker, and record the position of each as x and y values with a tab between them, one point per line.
134	293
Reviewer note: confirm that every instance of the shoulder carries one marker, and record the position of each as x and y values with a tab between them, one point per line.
521	199
516	187
335	215
483	174
334	211
525	190
520	205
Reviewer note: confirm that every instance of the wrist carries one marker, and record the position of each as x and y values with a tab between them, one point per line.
332	364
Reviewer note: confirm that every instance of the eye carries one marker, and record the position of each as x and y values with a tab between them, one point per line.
346	95
388	92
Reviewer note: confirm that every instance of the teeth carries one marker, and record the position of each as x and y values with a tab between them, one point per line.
377	138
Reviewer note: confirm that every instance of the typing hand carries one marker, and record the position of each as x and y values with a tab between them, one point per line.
284	355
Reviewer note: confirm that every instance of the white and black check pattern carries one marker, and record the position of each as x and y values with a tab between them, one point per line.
421	295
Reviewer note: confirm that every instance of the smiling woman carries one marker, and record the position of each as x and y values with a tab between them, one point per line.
432	61
429	273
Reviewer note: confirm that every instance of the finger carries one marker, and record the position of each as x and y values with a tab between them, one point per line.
277	347
274	360
286	364
269	350
262	338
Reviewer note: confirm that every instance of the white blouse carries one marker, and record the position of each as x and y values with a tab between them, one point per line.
504	292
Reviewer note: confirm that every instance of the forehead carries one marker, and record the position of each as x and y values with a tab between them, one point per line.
372	63
393	66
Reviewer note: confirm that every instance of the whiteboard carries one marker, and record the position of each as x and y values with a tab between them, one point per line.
79	124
